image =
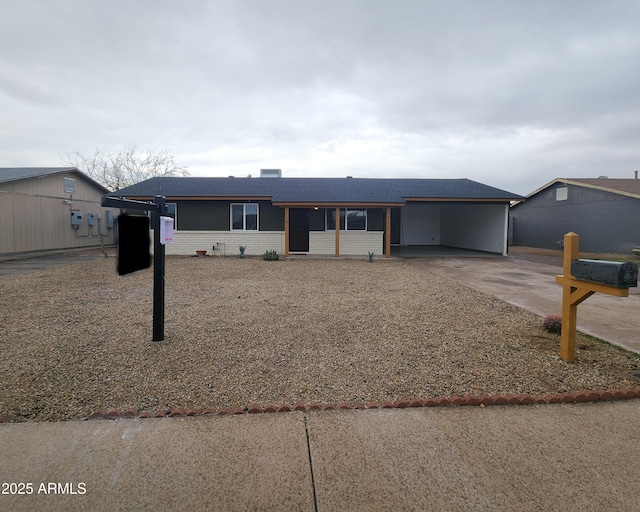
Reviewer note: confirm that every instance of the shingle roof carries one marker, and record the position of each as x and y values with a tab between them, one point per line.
622	186
22	173
318	190
8	174
631	186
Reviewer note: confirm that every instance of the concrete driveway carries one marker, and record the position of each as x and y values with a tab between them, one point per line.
531	285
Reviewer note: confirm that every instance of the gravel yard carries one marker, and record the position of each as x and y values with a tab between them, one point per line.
76	339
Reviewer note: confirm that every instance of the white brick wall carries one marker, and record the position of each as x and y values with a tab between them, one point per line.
256	243
352	243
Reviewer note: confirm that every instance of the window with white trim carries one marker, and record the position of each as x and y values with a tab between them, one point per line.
244	216
351	219
562	194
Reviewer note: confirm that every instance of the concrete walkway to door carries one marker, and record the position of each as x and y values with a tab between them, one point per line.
528	281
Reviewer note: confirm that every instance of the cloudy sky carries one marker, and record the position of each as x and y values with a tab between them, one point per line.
509	93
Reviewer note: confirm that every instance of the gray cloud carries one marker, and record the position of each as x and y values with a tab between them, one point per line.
512	94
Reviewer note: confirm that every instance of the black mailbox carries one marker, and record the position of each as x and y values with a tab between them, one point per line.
613	273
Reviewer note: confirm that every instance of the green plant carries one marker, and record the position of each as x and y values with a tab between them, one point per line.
270	256
371	255
242	249
553	324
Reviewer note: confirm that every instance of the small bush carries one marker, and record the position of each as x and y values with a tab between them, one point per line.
242	249
270	256
553	324
371	255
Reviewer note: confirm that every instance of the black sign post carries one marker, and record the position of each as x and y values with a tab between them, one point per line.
157	208
158	271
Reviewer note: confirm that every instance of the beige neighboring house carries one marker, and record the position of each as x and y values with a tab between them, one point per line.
44	208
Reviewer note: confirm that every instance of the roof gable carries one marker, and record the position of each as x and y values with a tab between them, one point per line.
621	186
615	185
9	174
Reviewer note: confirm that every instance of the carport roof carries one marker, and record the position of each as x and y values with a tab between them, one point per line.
318	190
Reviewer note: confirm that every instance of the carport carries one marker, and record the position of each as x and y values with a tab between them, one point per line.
460	224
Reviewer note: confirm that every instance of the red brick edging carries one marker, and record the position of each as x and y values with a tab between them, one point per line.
468	400
602	395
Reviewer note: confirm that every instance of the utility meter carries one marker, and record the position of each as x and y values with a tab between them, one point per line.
76	219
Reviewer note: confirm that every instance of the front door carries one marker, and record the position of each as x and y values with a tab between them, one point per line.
298	230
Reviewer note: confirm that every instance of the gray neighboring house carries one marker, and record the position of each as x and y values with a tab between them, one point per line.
329	216
604	212
44	208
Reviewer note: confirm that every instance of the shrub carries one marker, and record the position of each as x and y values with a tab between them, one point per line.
242	249
553	324
371	255
270	256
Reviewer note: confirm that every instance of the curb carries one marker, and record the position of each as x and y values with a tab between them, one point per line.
602	395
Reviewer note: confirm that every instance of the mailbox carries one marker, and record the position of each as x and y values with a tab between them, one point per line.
612	273
166	230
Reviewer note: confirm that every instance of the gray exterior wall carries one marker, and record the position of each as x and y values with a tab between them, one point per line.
199	215
606	222
215	215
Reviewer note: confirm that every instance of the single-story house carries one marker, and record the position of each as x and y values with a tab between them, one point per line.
331	216
43	208
604	212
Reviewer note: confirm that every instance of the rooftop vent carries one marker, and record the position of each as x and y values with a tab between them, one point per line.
270	173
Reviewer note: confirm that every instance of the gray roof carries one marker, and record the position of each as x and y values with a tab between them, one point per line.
318	190
621	186
8	174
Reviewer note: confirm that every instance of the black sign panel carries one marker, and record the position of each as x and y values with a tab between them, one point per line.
133	243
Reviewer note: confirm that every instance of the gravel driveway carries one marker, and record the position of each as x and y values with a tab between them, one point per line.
77	338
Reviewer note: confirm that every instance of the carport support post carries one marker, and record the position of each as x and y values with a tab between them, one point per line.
387	235
158	271
338	231
286	231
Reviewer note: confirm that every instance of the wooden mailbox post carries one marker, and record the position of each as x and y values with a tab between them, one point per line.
607	277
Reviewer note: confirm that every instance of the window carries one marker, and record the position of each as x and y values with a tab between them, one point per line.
351	219
244	217
172	211
69	185
562	194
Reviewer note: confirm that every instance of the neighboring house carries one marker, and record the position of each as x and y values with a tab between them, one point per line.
332	216
604	212
44	208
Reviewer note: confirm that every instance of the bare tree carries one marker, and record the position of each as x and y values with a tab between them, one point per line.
129	166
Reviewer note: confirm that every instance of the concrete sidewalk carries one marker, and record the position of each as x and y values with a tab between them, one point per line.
545	457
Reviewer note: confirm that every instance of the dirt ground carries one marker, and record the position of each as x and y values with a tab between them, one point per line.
77	338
